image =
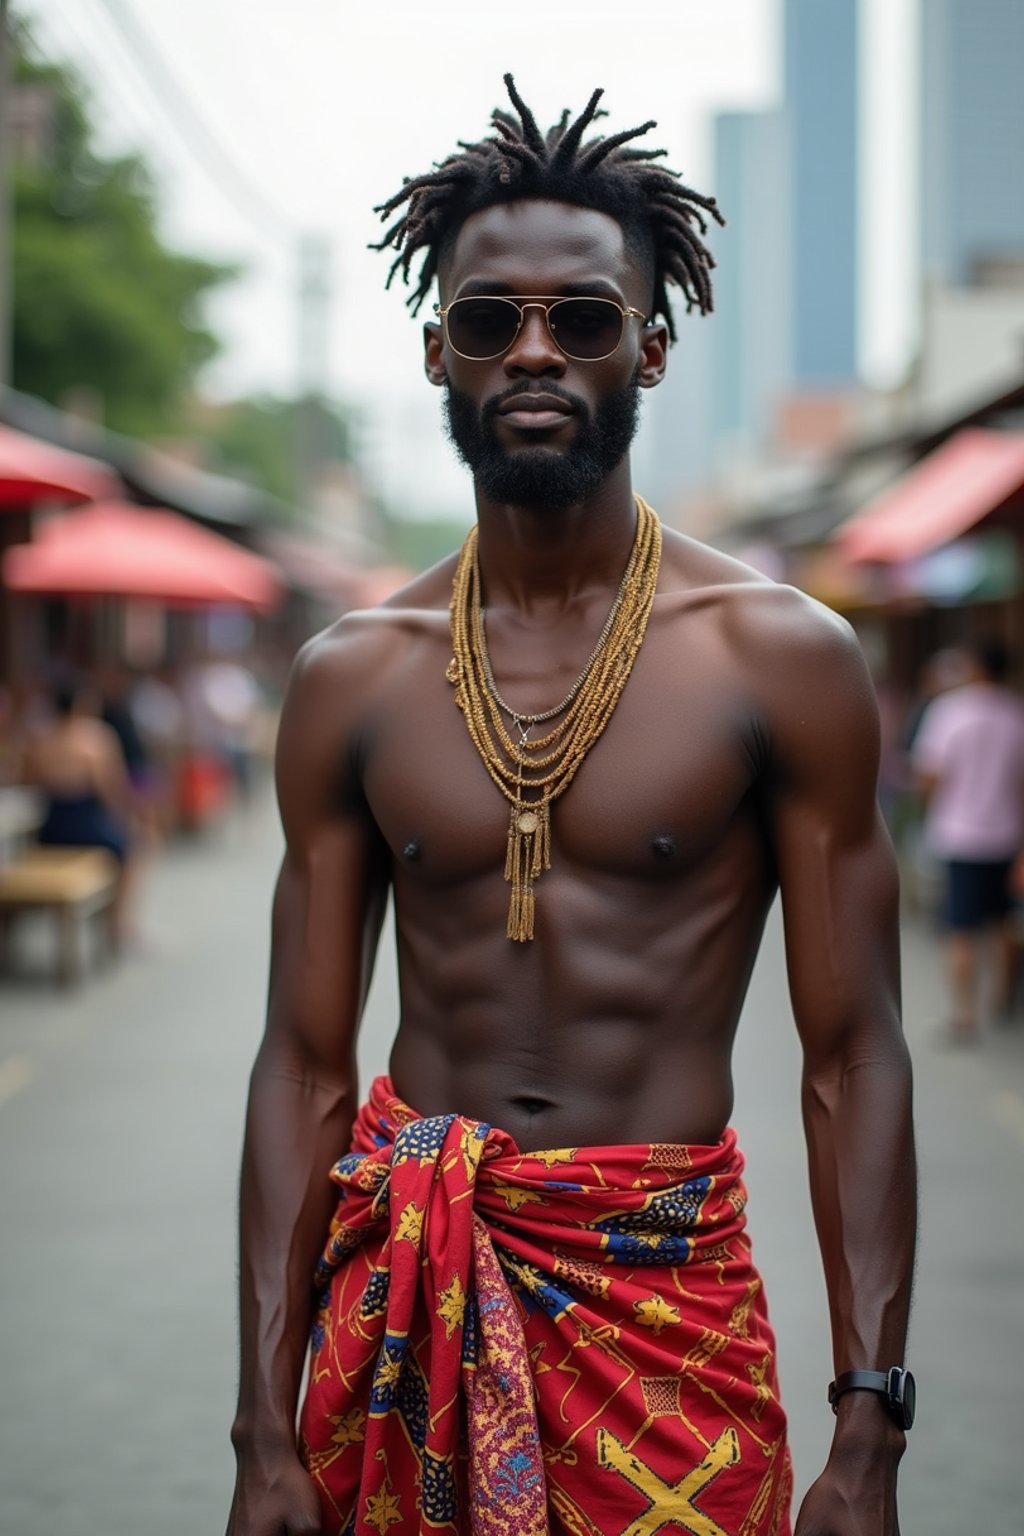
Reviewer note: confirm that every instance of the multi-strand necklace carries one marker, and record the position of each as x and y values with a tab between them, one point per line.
532	774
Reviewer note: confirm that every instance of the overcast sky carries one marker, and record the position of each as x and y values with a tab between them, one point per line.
322	106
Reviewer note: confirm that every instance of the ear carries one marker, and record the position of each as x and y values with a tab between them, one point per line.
433	353
653	355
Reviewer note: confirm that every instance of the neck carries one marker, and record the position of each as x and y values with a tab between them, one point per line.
528	554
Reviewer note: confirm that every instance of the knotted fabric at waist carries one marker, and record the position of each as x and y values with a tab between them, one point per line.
470	1235
657	1203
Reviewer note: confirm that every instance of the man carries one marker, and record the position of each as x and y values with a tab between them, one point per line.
583	755
969	760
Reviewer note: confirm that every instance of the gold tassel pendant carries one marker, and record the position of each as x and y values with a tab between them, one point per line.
527	856
545	766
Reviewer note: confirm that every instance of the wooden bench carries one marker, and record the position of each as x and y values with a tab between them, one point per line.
72	883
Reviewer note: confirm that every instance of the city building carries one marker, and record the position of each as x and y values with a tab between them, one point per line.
972	142
820	51
753	325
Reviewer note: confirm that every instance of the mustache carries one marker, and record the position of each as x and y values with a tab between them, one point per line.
492	406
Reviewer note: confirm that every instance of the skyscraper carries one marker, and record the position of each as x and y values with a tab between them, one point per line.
752	323
972	139
674	454
785	320
820	54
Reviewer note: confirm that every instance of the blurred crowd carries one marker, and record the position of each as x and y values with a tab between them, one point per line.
123	760
951	787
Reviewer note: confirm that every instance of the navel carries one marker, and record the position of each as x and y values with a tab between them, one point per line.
531	1105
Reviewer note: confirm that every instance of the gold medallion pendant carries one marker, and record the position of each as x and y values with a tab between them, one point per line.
532	774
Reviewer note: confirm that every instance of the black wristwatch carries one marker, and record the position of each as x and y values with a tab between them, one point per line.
896	1385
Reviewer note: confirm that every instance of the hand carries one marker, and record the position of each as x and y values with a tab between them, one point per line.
854	1496
274	1496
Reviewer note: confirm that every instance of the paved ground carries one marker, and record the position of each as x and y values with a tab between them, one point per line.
120	1120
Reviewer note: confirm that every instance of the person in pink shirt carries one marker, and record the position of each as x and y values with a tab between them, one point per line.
969	763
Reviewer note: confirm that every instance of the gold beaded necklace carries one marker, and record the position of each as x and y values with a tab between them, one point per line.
531	774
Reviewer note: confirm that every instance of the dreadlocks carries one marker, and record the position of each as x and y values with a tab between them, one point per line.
660	218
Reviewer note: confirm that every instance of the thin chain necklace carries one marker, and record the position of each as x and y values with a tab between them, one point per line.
532	774
518	717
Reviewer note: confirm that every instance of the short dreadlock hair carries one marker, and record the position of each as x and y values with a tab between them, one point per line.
661	219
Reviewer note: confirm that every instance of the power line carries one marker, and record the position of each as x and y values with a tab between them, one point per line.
193	130
100	57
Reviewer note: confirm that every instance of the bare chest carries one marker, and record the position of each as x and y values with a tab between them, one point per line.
657	792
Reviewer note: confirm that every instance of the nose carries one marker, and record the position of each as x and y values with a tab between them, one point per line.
534	350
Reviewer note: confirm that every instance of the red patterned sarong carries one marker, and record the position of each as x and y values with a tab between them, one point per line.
518	1344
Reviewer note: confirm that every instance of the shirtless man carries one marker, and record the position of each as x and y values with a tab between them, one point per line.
739	760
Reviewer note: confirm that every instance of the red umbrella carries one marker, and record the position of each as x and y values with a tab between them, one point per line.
31	470
115	549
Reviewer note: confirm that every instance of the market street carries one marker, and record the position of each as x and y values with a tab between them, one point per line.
120	1123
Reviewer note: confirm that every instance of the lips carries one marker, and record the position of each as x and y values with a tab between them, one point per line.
535	412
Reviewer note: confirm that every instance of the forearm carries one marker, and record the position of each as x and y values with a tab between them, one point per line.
297	1127
857	1111
858	1118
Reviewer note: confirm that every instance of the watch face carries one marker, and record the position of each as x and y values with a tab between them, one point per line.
902	1396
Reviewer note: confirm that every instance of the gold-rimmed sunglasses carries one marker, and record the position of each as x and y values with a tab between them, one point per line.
484	326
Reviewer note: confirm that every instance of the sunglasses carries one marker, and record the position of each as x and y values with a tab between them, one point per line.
586	330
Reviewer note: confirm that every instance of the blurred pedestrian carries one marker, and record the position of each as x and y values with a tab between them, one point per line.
969	762
159	717
78	764
946	669
118	711
11	749
924	873
222	700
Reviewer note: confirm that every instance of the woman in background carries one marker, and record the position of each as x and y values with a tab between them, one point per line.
78	764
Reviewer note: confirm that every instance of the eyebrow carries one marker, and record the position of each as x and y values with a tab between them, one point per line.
593	288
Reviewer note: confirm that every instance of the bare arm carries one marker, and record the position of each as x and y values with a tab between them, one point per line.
328	908
840	900
113	786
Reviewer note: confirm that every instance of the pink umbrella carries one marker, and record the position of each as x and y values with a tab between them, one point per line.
31	470
116	549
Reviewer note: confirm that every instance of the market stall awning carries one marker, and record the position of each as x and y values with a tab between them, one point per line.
950	491
31	470
115	549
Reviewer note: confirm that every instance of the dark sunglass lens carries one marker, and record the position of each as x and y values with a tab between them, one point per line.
586	328
482	327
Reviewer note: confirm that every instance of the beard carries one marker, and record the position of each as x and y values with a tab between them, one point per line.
542	478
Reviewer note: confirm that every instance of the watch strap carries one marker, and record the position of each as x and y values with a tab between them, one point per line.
857	1381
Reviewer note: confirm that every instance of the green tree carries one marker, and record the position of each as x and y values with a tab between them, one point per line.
99	301
420	542
262	439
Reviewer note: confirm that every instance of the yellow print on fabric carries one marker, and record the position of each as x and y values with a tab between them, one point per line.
451	1306
669	1504
410	1224
656	1313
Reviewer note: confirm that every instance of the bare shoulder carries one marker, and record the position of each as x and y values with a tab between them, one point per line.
99	741
337	680
348	662
800	662
777	633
